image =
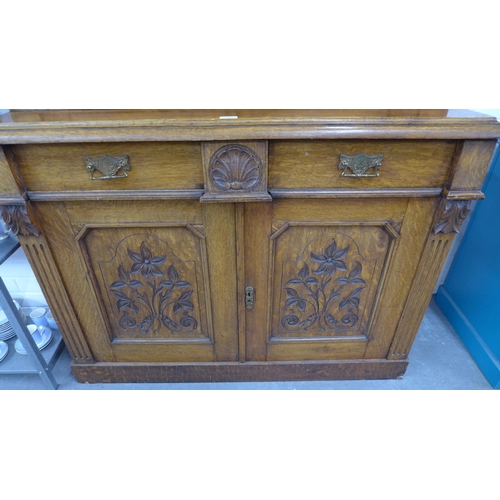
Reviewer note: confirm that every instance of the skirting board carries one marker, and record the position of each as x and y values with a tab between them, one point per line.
239	372
482	355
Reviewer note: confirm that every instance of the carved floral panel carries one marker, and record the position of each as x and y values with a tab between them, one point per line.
148	291
330	287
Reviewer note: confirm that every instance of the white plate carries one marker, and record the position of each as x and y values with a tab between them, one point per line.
42	341
4	350
4	322
9	336
3	318
47	338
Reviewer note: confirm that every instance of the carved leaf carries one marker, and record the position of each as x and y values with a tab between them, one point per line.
124	276
118	284
311	281
304	272
183	302
356	292
356	271
292	293
172	273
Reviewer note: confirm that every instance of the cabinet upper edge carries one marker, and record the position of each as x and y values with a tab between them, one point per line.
272	129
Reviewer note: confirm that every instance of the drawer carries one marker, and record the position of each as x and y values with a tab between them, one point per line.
154	166
315	164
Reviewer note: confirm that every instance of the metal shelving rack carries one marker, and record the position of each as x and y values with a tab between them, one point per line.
35	361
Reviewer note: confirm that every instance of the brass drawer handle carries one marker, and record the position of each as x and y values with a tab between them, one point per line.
108	166
359	164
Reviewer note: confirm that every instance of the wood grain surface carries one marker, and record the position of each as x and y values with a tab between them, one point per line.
470	165
314	164
240	372
60	167
268	127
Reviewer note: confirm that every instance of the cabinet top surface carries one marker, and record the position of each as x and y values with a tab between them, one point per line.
43	126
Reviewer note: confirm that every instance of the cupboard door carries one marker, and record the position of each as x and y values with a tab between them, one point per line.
330	276
149	268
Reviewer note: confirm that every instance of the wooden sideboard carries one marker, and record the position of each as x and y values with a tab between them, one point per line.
177	245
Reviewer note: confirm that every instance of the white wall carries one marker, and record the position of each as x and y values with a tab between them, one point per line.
21	282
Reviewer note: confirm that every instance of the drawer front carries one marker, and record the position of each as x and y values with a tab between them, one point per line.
315	164
153	166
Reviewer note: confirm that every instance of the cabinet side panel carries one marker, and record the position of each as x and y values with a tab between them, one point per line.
433	258
8	185
40	258
11	183
67	256
411	244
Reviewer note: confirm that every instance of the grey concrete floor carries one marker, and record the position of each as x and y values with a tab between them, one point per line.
438	360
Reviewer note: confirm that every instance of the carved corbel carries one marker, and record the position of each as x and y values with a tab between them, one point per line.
18	220
451	215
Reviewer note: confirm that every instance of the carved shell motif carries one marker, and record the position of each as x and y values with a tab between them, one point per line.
235	167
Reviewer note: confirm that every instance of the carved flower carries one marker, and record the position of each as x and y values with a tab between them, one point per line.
145	263
330	260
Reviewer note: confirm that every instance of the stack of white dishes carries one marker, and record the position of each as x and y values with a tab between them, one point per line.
42	335
6	330
4	349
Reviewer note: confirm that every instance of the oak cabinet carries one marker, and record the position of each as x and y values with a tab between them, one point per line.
261	249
